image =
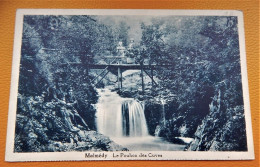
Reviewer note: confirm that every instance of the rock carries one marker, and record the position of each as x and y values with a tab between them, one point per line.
44	130
185	140
217	134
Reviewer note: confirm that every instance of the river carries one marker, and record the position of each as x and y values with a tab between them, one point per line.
123	120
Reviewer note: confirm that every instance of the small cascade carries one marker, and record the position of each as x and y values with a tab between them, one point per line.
157	131
133	119
119	117
163	111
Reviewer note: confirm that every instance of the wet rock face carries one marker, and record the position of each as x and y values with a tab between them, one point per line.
221	130
177	124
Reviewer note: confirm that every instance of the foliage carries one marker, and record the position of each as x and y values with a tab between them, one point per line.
203	58
152	42
123	33
49	45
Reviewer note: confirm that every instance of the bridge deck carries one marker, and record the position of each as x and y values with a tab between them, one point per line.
121	66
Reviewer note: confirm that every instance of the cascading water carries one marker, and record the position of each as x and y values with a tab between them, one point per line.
123	120
133	119
118	117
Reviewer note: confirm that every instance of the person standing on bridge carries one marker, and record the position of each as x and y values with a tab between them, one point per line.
121	49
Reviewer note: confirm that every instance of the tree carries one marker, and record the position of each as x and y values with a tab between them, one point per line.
123	33
204	54
153	41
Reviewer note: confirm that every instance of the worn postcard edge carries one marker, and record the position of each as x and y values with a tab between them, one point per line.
166	155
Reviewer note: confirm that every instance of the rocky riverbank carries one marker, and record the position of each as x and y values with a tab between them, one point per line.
40	127
221	131
87	141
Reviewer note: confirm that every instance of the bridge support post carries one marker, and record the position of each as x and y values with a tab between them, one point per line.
142	76
119	78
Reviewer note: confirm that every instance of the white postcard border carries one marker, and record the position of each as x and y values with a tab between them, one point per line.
166	155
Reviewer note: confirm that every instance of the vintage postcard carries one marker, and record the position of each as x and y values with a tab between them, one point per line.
129	85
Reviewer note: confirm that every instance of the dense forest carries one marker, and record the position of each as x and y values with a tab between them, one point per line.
49	43
198	77
204	81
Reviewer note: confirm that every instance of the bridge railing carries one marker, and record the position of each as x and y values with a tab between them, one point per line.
118	60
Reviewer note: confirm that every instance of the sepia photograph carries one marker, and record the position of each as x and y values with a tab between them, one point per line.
129	85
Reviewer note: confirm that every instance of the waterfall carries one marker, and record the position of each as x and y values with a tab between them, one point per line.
123	120
118	117
133	119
